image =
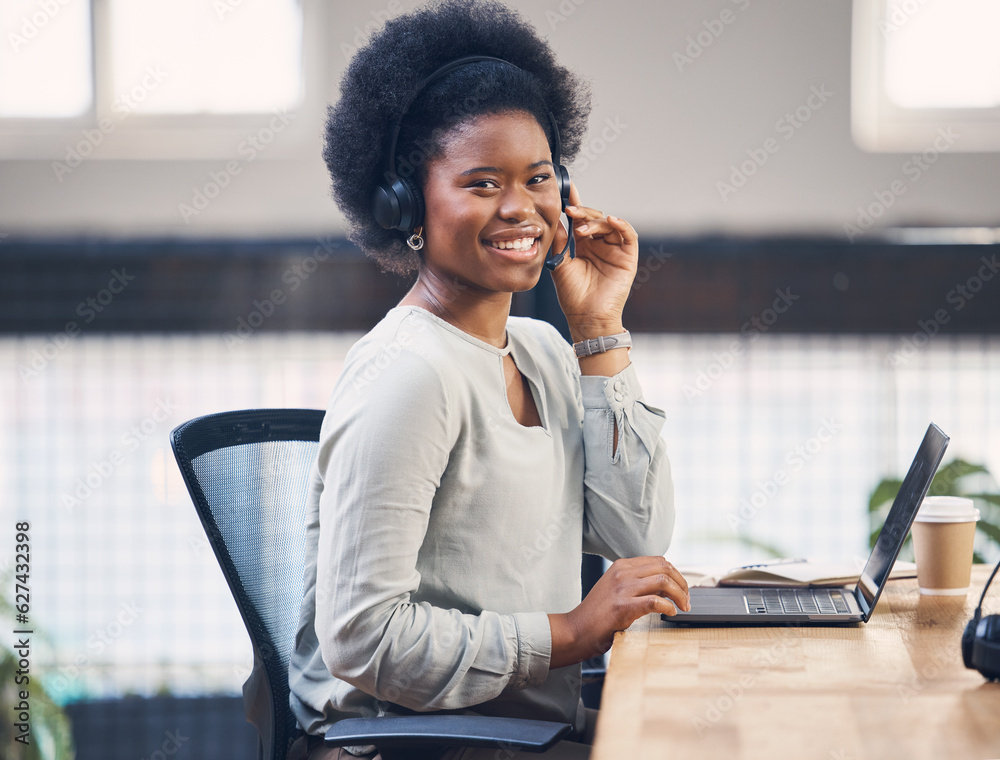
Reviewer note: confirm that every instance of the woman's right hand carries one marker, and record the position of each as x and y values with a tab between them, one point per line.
630	589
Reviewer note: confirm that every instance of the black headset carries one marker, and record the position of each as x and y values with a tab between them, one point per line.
981	639
398	203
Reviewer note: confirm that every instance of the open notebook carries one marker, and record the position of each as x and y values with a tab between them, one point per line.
788	573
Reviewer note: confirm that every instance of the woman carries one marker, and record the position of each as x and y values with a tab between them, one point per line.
467	457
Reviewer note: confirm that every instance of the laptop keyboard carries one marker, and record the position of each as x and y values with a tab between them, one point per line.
785	601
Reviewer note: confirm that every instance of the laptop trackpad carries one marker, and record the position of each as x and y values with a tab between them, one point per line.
718	601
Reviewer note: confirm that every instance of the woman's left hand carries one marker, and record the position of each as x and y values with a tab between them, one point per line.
593	288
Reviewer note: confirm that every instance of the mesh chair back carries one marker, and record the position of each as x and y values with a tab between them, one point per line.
248	475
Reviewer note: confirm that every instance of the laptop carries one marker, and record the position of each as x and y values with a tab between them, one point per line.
749	605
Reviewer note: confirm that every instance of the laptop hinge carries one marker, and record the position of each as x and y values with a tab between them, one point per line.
859	598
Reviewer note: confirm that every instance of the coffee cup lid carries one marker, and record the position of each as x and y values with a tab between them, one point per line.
947	509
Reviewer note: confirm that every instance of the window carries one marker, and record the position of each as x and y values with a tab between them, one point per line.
207	57
923	68
45	59
157	72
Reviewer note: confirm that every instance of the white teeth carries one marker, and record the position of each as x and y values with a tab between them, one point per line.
521	244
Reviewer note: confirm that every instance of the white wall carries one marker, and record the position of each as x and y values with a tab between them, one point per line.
684	129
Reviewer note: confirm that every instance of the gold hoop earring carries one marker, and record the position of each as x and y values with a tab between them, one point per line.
415	241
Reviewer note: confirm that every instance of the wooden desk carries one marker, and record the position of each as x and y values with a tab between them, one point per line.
892	688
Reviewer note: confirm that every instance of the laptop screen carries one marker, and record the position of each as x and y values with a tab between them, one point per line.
904	509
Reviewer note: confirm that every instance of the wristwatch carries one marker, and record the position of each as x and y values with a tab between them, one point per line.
602	343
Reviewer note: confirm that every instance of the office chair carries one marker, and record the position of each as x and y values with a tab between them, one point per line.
248	475
593	670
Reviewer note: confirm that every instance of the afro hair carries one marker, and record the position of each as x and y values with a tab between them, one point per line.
384	76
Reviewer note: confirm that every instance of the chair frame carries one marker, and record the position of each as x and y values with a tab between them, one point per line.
210	433
410	737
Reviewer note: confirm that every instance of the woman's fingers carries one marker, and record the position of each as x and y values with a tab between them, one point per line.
593	223
626	230
660	578
630	589
667	587
647	583
574	194
651	566
561	237
584	215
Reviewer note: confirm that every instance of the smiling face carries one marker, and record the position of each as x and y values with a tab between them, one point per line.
491	205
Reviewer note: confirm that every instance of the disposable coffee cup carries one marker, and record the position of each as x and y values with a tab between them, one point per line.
943	534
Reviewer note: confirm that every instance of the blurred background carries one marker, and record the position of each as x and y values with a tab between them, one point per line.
816	187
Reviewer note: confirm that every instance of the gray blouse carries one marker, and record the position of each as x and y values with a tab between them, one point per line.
440	531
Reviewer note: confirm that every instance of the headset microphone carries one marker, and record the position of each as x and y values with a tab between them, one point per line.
562	178
398	204
555	259
981	639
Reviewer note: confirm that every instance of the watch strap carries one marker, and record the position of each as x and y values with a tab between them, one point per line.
602	343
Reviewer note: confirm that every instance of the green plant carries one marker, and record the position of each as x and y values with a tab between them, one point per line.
957	478
50	737
761	547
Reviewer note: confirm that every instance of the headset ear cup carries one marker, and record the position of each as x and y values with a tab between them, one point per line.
399	205
986	647
412	207
968	638
991	630
562	174
385	206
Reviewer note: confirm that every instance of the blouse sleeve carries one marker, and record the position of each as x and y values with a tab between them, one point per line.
628	491
384	447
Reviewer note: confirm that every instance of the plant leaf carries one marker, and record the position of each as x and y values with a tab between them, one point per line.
989	529
947	477
884	491
992	498
770	549
872	536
